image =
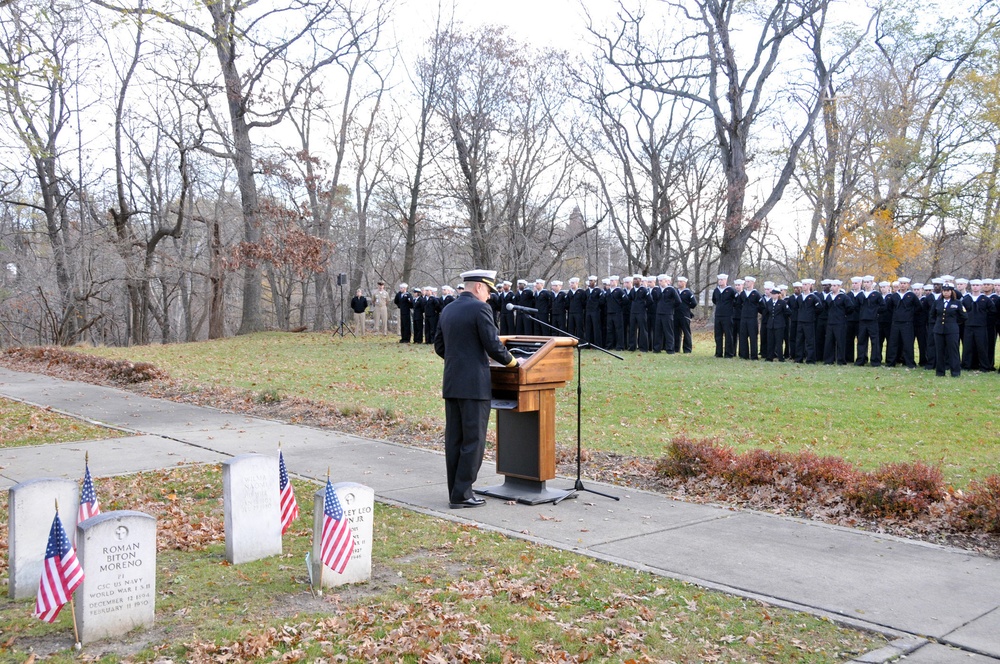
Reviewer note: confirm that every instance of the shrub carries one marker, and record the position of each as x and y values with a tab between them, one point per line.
896	489
980	506
757	467
690	458
813	470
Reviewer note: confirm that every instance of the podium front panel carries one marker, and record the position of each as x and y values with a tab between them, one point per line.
517	444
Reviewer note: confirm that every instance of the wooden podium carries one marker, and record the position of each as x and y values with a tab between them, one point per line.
525	400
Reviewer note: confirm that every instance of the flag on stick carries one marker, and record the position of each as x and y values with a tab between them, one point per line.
62	573
89	505
289	507
337	543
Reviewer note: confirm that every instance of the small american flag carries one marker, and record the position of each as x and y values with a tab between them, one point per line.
88	499
337	543
289	507
61	574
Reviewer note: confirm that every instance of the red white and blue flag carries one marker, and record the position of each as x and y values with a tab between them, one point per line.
289	506
336	543
89	505
62	573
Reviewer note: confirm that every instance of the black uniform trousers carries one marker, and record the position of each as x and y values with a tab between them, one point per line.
920	335
901	345
615	337
418	328
775	342
946	353
465	426
682	334
593	332
974	353
404	326
638	336
852	338
748	339
725	338
835	345
868	332
576	325
663	333
805	343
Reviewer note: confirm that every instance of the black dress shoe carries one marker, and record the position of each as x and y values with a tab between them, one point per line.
468	502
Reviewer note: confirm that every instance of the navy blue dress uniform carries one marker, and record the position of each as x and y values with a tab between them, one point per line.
748	303
560	306
577	304
920	318
639	302
870	305
978	308
593	332
418	316
543	302
682	317
839	307
777	324
948	315
810	304
507	296
927	304
432	309
991	344
792	312
724	299
853	319
467	339
404	302
615	331
667	300
525	298
821	318
885	317
904	304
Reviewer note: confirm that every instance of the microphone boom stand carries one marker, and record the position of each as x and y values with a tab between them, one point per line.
578	485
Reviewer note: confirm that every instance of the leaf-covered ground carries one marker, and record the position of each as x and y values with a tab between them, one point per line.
440	592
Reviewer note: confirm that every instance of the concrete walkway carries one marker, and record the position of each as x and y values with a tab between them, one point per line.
941	604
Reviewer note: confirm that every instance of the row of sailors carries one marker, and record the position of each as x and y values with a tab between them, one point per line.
637	313
829	325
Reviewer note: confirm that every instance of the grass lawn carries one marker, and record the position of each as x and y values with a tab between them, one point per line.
867	416
26	425
437	589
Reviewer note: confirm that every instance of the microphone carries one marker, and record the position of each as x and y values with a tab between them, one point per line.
516	307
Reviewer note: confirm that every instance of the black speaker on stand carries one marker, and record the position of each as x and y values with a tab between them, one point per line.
341	280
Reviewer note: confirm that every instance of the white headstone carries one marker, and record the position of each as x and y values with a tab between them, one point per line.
118	593
252	507
30	507
358	503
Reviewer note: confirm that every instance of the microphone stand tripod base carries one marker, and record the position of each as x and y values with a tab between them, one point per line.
528	492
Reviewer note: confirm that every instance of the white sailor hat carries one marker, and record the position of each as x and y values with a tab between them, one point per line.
961	280
856	280
638	276
987	282
738	282
592	277
808	282
615	277
782	287
947	277
836	282
904	280
432	289
446	288
918	285
936	281
540	281
723	276
606	281
404	285
883	283
976	282
574	280
768	284
487	277
522	281
684	279
556	282
507	283
826	282
868	277
662	276
796	284
753	279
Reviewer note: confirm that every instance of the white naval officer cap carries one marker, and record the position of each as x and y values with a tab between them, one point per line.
487	277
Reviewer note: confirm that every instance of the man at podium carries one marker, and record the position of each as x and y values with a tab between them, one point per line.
467	338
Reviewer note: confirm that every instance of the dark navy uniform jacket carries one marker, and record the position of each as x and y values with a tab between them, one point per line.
466	338
948	314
